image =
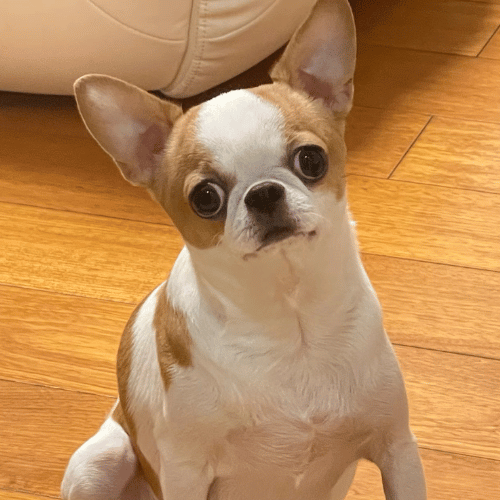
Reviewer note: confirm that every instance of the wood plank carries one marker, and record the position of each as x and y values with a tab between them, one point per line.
60	341
34	113
455	153
428	223
48	159
448	476
69	172
438	307
492	49
428	83
447	26
454	401
16	495
377	139
82	254
367	484
39	430
497	2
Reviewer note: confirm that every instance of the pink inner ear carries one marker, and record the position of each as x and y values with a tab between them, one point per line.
335	99
150	144
315	87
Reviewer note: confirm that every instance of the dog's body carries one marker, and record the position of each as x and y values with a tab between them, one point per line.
260	370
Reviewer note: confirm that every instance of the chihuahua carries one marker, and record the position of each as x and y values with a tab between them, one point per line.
260	370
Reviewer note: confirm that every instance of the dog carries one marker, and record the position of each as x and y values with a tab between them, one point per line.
260	370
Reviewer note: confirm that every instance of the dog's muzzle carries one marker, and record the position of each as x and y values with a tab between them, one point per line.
266	204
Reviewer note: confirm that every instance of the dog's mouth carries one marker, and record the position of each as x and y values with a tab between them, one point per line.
281	233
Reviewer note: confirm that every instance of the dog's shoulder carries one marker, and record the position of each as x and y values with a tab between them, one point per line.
173	341
156	336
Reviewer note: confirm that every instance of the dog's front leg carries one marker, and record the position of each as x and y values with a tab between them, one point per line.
185	480
402	471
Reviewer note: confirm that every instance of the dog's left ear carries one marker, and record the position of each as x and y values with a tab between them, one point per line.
321	57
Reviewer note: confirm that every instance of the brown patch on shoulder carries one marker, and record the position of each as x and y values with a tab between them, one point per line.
172	337
308	122
186	159
121	414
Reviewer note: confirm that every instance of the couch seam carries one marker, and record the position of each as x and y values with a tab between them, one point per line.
130	28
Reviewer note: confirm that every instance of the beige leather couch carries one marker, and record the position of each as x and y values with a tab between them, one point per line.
182	47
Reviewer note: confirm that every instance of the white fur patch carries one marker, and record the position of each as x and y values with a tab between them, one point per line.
87	478
242	132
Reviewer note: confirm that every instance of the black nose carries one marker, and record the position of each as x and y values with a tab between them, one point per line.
265	197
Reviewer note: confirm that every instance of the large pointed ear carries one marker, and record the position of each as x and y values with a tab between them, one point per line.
321	56
131	125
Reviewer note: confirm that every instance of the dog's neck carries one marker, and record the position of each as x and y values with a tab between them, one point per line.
301	276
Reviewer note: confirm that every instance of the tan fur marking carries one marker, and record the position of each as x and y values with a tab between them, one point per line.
306	119
121	414
172	337
185	157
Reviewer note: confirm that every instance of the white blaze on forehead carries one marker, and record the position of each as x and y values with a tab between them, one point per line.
242	131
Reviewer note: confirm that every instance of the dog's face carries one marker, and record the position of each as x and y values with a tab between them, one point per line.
259	168
249	170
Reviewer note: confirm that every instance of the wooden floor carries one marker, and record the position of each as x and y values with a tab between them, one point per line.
79	248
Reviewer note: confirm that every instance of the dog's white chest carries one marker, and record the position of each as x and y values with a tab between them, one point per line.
286	444
284	451
265	424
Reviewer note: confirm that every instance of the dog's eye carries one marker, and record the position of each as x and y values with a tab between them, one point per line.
207	199
310	163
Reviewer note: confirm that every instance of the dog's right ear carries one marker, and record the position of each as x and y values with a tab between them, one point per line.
131	125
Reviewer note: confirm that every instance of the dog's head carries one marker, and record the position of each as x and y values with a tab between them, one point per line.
249	169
